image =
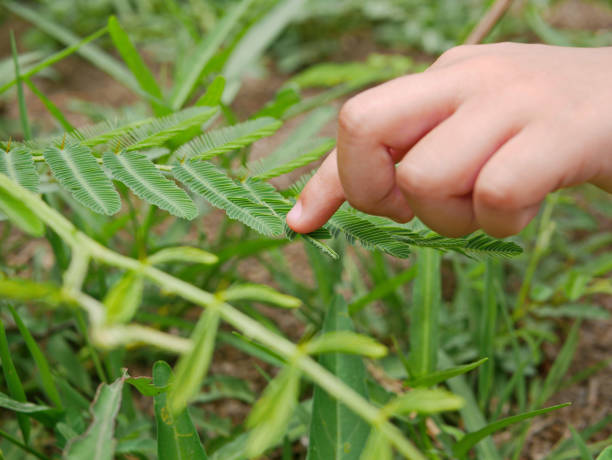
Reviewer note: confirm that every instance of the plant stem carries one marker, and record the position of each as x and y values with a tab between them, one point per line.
248	326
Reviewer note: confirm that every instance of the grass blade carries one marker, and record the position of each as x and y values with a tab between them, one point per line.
90	52
606	454
13	383
134	62
383	289
23	113
205	50
580	444
441	376
469	440
50	106
424	319
177	438
49	61
256	40
487	329
335	431
42	364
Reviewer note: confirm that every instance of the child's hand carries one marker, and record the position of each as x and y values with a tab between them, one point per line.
479	139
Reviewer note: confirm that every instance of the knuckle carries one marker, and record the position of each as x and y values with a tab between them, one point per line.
496	195
454	54
414	181
355	116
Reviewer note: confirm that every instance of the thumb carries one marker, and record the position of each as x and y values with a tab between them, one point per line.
320	199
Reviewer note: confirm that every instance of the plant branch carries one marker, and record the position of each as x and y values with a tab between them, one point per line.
488	21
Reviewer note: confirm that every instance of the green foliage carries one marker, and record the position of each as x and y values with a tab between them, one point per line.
177	438
101	431
137	172
75	167
335	431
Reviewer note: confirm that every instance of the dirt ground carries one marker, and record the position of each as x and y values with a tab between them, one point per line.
592	399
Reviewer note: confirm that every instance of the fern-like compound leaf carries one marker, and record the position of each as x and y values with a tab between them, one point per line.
313	151
358	229
221	191
137	172
77	170
156	131
17	164
226	139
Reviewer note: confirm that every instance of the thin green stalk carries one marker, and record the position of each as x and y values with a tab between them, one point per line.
23	113
15	441
82	325
546	228
248	326
55	58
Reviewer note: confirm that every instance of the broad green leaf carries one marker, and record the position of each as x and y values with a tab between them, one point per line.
18	165
123	299
346	342
75	167
188	77
22	289
13	382
226	139
183	254
583	449
137	172
377	448
177	438
425	312
16	211
471	439
42	364
335	431
192	367
98	442
424	401
212	96
606	454
212	183
139	69
436	377
270	415
259	293
145	386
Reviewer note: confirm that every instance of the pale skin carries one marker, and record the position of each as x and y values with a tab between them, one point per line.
476	141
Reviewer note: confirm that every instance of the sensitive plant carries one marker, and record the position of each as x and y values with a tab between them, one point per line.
178	168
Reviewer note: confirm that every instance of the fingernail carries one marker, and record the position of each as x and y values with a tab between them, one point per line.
295	212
